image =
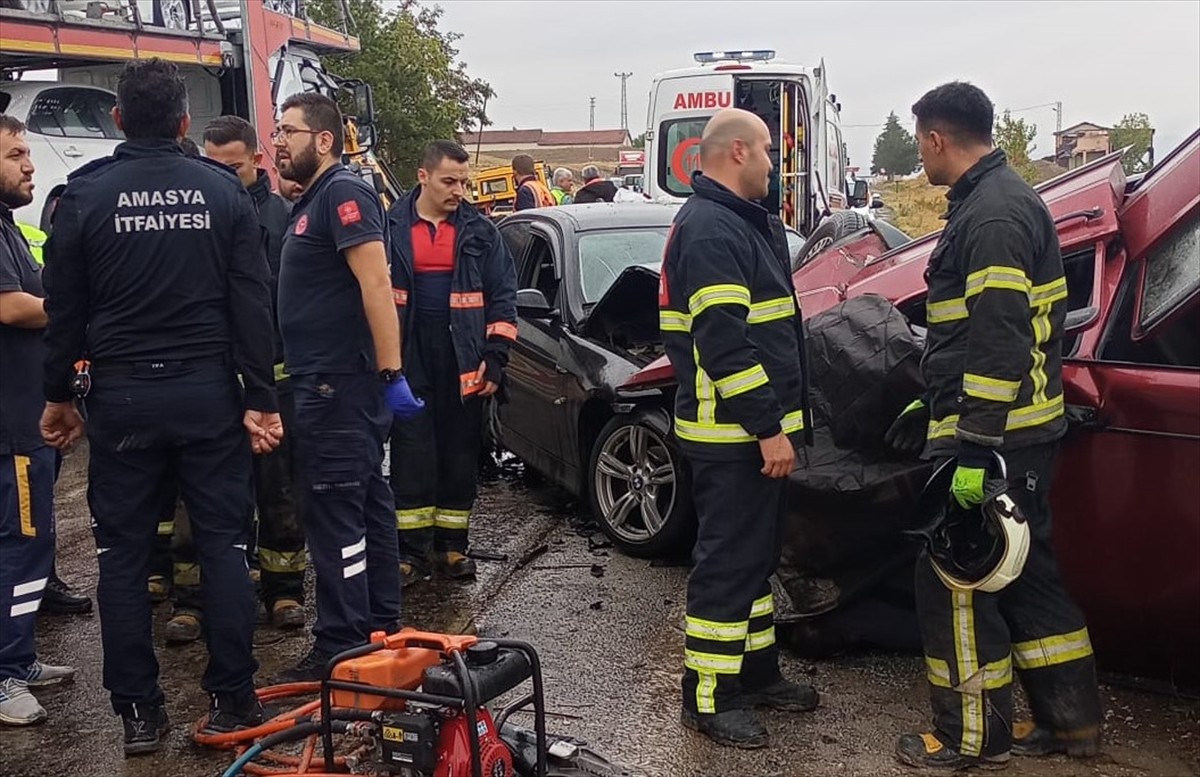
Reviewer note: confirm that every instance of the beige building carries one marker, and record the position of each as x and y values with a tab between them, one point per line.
1081	143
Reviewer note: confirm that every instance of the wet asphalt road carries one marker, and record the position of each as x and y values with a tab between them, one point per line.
609	631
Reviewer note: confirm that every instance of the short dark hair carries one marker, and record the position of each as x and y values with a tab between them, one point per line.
11	124
224	130
189	146
438	150
522	164
959	109
153	99
321	114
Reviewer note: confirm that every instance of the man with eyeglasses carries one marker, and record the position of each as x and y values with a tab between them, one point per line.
341	346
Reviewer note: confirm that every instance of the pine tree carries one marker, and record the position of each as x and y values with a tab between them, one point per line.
895	150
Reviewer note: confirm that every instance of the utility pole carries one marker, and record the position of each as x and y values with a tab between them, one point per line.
624	101
591	125
1058	116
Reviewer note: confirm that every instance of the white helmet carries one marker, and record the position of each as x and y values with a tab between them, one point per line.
978	549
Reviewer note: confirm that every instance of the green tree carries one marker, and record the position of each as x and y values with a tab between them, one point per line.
422	91
895	149
1015	137
639	141
1134	130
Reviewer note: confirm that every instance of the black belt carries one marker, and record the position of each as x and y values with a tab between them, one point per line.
156	367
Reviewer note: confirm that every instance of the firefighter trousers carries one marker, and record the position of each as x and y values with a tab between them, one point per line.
26	552
729	643
341	423
138	441
973	640
279	550
435	456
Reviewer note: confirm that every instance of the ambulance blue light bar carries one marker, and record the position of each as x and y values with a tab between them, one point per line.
755	55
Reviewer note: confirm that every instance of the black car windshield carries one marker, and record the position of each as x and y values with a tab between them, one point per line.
605	255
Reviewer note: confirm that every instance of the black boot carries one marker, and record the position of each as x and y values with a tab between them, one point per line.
732	728
59	599
310	669
233	712
784	696
1031	740
926	751
145	726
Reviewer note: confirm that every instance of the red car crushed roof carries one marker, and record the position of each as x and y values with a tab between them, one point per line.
1127	491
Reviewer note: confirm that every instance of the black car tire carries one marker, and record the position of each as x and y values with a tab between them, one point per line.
828	232
639	487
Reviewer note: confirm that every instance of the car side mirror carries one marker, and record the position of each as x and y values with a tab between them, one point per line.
531	303
876	202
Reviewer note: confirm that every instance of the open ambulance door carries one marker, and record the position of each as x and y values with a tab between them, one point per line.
780	102
823	186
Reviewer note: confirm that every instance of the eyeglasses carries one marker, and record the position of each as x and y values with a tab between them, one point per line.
286	133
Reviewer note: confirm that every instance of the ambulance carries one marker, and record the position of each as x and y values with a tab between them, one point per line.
809	180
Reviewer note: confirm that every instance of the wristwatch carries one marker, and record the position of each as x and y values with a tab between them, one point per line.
390	376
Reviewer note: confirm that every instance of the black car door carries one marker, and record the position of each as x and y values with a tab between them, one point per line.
534	422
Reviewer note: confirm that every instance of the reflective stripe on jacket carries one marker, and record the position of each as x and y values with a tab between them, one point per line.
996	309
731	326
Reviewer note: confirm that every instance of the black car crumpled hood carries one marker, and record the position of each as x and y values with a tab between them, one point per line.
628	311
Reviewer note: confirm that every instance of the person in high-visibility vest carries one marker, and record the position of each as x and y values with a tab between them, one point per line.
531	192
36	239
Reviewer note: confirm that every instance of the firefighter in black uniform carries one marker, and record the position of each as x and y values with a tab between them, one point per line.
155	270
455	285
233	141
993	374
341	342
733	334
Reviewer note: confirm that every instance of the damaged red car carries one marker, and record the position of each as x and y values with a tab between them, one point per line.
1127	494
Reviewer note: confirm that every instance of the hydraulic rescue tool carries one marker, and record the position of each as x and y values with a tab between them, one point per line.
413	704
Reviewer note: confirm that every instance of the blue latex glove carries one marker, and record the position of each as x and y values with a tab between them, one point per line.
400	399
967	486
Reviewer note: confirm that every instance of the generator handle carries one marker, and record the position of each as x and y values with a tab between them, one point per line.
444	643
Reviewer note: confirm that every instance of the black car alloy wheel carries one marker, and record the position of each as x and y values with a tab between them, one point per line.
639	486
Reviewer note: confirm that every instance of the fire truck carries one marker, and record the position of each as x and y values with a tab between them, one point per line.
240	57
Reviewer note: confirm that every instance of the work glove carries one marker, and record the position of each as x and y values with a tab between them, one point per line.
907	433
400	399
970	476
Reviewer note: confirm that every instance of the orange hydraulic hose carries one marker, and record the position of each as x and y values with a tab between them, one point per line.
293	766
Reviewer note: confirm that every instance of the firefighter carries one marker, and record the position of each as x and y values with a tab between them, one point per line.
233	141
455	284
993	374
155	269
732	331
341	343
531	192
27	464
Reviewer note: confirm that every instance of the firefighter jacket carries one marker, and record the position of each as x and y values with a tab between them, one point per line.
731	326
996	307
274	213
483	289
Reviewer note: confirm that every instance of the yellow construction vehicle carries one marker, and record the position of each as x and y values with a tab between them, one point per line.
493	190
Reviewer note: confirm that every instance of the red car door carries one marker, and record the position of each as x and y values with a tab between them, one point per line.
1127	499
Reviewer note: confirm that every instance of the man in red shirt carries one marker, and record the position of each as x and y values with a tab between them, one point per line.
455	285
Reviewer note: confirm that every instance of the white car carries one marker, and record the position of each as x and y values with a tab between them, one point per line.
68	126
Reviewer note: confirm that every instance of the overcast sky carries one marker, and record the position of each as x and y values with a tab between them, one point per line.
1102	60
